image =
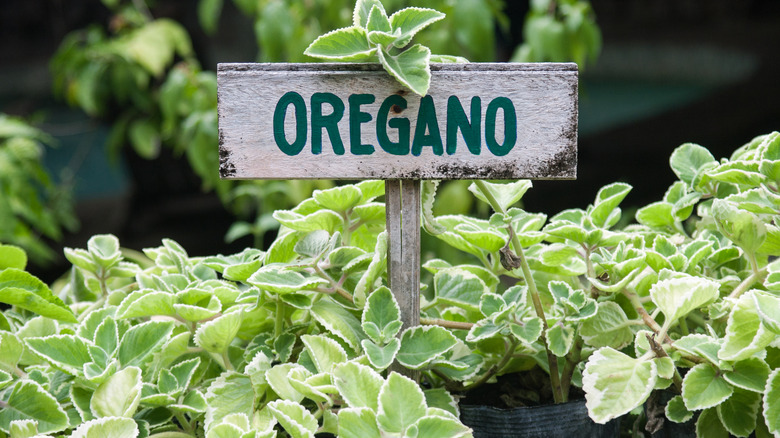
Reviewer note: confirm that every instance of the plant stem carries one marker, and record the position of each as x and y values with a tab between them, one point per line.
184	423
572	359
640	309
457	325
335	286
756	276
279	320
552	360
510	350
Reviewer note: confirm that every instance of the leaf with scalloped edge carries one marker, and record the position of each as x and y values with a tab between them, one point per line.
772	402
216	335
119	395
738	413
294	418
615	384
676	297
24	290
358	384
28	400
703	387
745	334
420	345
401	404
114	427
358	423
345	44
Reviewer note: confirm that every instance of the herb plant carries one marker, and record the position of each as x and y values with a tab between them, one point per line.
375	37
297	339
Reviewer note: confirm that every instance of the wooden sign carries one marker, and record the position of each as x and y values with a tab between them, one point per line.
355	121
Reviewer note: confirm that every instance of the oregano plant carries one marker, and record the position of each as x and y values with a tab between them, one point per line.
376	37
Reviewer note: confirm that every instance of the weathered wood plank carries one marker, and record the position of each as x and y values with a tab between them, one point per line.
521	121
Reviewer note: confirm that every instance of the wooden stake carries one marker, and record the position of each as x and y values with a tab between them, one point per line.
402	199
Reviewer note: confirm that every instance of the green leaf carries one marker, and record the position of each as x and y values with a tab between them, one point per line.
28	400
656	215
609	328
325	352
412	20
709	425
313	244
401	404
21	289
294	418
772	402
560	338
615	384
11	351
279	280
363	10
528	330
358	423
141	341
690	159
338	321
420	345
506	195
216	335
340	199
346	44
119	395
66	352
12	257
768	309
745	335
327	220
374	271
381	357
743	228
459	288
750	374
230	393
676	411
358	384
739	412
411	67
432	426
382	316
378	20
704	387
607	199
24	428
442	399
146	302
677	297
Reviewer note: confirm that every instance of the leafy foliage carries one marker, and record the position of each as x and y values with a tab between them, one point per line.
33	207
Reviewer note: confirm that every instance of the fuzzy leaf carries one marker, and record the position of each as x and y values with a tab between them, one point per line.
28	400
434	426
325	352
768	308
709	425
750	374
358	384
411	67
459	288
676	411
676	297
374	271
420	345
412	20
560	339
690	159
381	357
739	412
277	378
21	289
382	316
66	352
507	194
119	395
141	341
609	328
615	384
12	256
401	404
358	423
703	387
745	335
279	280
607	199
346	44
772	402
230	393
363	10
146	303
215	336
114	427
295	419
339	321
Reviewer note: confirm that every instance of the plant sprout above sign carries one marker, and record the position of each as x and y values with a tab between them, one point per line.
354	121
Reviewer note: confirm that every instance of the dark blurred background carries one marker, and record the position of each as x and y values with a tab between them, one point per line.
669	72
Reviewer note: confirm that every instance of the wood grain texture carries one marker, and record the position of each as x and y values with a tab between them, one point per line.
544	96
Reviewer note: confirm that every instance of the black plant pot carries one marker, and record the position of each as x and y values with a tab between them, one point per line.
565	420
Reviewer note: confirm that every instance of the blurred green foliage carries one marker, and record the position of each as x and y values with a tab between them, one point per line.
32	206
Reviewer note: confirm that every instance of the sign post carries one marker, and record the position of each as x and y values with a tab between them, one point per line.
354	121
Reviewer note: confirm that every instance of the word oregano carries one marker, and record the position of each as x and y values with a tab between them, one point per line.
375	37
